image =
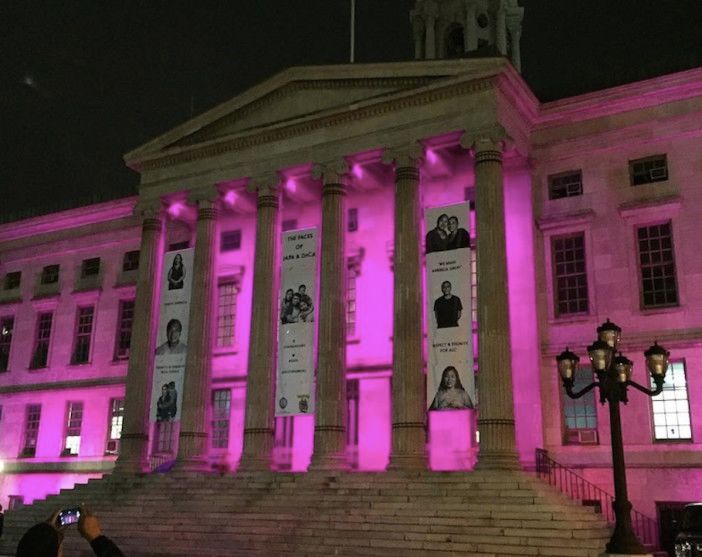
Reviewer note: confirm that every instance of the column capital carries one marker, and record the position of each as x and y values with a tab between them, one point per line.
471	137
267	187
332	172
410	155
149	209
202	196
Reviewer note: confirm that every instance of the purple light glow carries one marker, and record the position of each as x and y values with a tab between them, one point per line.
175	209
230	198
357	171
291	185
432	157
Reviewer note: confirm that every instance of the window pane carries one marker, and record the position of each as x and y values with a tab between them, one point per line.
226	313
657	266
671	415
570	278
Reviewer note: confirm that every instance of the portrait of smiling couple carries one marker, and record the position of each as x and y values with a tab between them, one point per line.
447	235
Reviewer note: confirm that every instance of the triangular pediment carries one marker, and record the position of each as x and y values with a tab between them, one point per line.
306	93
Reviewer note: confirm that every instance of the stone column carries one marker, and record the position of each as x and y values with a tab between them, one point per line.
260	386
501	32
516	34
418	35
470	33
408	381
330	421
496	408
195	399
431	13
134	443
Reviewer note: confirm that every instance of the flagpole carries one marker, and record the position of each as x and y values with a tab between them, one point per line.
353	30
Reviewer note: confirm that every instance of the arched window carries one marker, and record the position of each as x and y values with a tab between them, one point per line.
455	46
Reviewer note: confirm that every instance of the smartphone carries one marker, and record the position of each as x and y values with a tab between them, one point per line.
68	516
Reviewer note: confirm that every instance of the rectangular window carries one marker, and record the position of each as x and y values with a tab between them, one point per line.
42	337
657	264
289	224
565	184
74	421
31	430
50	274
580	415
83	335
12	280
124	329
648	170
230	240
90	267
7	324
671	408
221	407
570	276
352	222
226	312
352	420
130	261
114	427
351	301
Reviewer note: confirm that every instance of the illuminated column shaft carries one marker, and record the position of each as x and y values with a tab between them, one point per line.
134	442
408	382
330	425
192	446
258	427
496	410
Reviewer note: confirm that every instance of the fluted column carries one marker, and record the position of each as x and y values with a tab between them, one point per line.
501	32
470	33
192	445
330	421
134	443
496	411
408	381
516	34
258	427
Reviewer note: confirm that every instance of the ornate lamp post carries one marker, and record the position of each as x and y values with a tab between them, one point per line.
613	373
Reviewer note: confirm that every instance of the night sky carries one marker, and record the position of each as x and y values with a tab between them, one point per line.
84	81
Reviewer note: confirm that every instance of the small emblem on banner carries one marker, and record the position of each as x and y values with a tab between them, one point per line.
303	405
283	402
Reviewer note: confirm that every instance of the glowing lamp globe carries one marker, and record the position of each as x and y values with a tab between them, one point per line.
567	364
657	360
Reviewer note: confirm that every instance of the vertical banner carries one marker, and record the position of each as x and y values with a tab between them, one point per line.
295	377
172	337
450	378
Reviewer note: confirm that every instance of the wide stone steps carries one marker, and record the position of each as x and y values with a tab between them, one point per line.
478	513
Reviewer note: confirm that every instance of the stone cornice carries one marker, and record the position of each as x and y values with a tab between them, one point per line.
57	385
67	465
565	220
336	117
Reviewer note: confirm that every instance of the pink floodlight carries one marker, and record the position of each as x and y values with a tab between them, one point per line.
230	198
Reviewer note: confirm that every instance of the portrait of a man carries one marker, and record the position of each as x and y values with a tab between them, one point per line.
173	345
447	308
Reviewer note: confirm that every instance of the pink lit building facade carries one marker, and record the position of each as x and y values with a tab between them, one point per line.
601	217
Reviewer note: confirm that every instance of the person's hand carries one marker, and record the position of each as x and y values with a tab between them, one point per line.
88	525
53	520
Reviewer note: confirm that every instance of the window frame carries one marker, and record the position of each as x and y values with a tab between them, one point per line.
78	336
685	440
551	178
39	339
6	344
129	261
567	401
26	449
69	422
643	161
233	281
640	277
115	412
48	276
554	276
230	240
120	330
90	267
220	425
352	220
9	282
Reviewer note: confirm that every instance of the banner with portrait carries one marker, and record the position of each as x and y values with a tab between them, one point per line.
172	336
297	312
450	378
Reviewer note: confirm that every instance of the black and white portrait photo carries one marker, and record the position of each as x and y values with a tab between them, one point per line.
447	235
176	274
451	395
173	344
167	403
447	308
297	306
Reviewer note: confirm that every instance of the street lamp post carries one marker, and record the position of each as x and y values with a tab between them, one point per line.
613	373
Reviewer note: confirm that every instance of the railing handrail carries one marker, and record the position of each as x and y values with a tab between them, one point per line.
576	487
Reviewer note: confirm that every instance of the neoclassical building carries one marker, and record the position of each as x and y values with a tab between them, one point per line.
581	209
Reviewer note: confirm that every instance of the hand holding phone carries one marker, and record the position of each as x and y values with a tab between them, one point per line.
67	517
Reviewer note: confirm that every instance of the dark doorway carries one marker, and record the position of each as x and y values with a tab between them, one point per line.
669	517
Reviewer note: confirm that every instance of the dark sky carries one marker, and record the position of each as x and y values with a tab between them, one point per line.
84	81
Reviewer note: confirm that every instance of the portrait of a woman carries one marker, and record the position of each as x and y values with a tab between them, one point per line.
286	305
176	274
436	239
451	395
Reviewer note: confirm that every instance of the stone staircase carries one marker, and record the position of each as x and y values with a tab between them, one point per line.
482	513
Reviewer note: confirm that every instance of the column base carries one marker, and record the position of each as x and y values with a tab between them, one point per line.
497	461
625	555
329	463
413	461
254	464
129	468
196	465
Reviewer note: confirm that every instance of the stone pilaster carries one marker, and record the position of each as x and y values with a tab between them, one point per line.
470	32
258	427
192	446
330	421
496	409
408	381
134	443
